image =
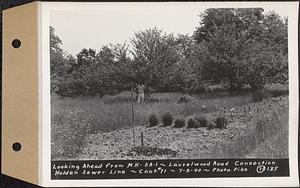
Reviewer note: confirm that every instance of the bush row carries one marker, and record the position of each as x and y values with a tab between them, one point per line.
167	119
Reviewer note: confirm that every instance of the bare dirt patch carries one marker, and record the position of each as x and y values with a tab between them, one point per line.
186	142
181	143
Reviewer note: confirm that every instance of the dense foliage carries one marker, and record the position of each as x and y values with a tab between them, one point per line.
202	121
230	47
244	46
167	119
153	120
192	123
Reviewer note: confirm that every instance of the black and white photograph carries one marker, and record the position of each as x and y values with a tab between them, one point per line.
182	82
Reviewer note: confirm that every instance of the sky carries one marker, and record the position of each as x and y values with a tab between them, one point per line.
101	25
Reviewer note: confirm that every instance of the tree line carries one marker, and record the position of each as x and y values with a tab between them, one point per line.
231	47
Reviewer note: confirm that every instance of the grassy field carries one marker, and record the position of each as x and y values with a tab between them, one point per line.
264	136
254	134
73	119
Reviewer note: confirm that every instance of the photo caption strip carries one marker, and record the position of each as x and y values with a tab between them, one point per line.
135	169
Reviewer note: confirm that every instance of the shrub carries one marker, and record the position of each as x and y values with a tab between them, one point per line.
221	122
167	119
192	123
153	120
202	121
211	125
179	123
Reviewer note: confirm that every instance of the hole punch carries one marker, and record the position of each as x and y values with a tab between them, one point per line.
16	146
16	43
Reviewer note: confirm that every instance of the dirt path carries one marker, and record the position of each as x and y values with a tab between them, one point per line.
187	142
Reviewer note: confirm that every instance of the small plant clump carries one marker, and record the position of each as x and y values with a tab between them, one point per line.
221	122
167	119
153	120
192	123
179	123
152	151
202	121
211	125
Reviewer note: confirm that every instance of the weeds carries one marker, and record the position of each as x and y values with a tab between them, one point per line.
150	151
69	133
211	125
73	118
266	136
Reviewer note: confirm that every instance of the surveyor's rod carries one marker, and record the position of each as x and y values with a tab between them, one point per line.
132	114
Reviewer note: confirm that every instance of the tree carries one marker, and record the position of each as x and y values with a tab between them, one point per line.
57	54
276	40
225	32
239	42
186	74
115	61
57	60
99	73
154	57
268	57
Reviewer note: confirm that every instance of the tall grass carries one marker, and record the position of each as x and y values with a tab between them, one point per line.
266	136
107	117
108	114
68	133
73	118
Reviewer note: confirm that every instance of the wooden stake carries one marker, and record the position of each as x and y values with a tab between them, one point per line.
142	139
